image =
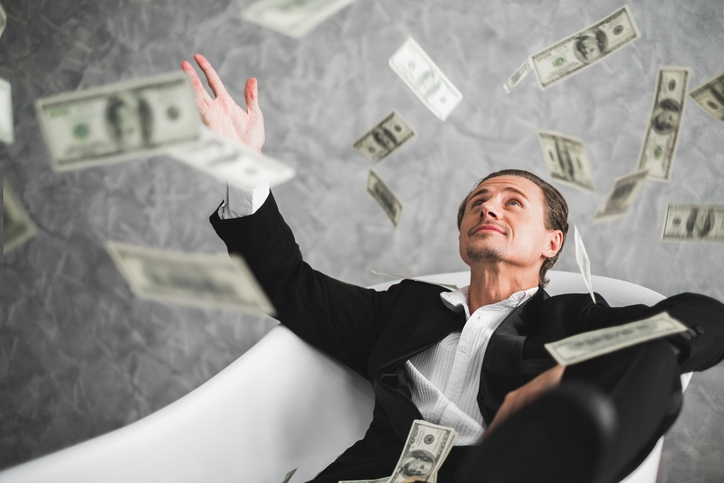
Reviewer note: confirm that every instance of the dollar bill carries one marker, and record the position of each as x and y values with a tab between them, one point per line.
378	480
228	160
7	130
581	50
120	121
697	223
425	79
588	345
3	20
424	452
710	97
295	18
518	76
385	138
17	226
402	277
289	475
619	199
584	263
384	197
662	133
566	159
189	278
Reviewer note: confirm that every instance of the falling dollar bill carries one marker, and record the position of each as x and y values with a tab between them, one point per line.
227	160
517	76
3	20
120	121
289	475
189	278
619	199
384	197
588	345
424	452
295	18
425	79
581	50
378	480
710	97
584	263
7	130
697	223
566	159
385	138
662	133
17	226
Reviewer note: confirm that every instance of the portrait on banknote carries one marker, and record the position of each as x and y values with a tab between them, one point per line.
418	462
666	116
129	120
590	45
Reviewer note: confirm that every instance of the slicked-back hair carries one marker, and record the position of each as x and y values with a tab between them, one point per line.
555	210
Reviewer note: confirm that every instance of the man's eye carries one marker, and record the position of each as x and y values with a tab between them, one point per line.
514	202
478	202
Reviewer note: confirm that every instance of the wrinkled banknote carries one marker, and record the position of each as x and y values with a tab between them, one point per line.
584	48
227	160
697	223
619	199
295	18
17	226
584	263
402	277
3	20
425	79
385	138
518	76
196	279
384	197
378	480
289	475
710	97
566	159
120	121
425	451
662	132
7	130
588	345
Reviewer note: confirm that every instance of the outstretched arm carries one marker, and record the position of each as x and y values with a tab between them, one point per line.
221	113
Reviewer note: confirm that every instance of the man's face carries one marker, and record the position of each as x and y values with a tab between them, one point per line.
504	222
589	48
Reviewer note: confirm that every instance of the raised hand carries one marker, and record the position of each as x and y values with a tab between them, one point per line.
221	113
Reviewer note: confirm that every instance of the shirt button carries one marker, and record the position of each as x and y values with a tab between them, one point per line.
453	399
465	348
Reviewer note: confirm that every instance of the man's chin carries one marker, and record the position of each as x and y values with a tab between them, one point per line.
476	255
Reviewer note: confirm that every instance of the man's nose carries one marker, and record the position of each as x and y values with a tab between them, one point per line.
489	210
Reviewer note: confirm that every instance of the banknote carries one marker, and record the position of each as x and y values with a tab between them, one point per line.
17	225
566	159
710	97
424	77
3	20
621	196
424	452
385	138
189	278
588	345
584	48
7	130
662	132
289	475
517	76
295	18
584	263
402	277
120	121
378	480
227	160
384	197
698	223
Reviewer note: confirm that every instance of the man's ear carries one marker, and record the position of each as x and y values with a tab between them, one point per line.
553	243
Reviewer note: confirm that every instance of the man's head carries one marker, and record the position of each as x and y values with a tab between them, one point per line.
513	216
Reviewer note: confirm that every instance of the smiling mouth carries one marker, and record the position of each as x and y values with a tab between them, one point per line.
487	228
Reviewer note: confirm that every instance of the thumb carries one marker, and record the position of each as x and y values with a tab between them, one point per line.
251	95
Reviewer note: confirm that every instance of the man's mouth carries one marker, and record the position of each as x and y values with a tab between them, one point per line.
487	227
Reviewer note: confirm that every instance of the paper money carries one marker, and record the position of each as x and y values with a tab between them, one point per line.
619	199
189	278
518	76
425	450
385	138
17	226
120	121
581	50
584	264
402	277
710	97
424	77
697	223
289	475
3	20
566	159
588	345
657	151
378	480
228	160
295	18
384	197
7	130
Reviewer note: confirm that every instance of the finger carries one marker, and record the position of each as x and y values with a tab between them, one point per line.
251	95
202	97
217	87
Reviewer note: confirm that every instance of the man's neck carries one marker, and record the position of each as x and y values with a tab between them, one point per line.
493	284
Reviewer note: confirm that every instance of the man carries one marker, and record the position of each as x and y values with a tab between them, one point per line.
473	359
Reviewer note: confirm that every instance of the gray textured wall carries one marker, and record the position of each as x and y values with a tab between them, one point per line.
80	355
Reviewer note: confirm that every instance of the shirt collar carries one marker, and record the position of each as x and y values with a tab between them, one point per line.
458	300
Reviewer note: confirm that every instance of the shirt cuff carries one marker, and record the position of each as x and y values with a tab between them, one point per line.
242	201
